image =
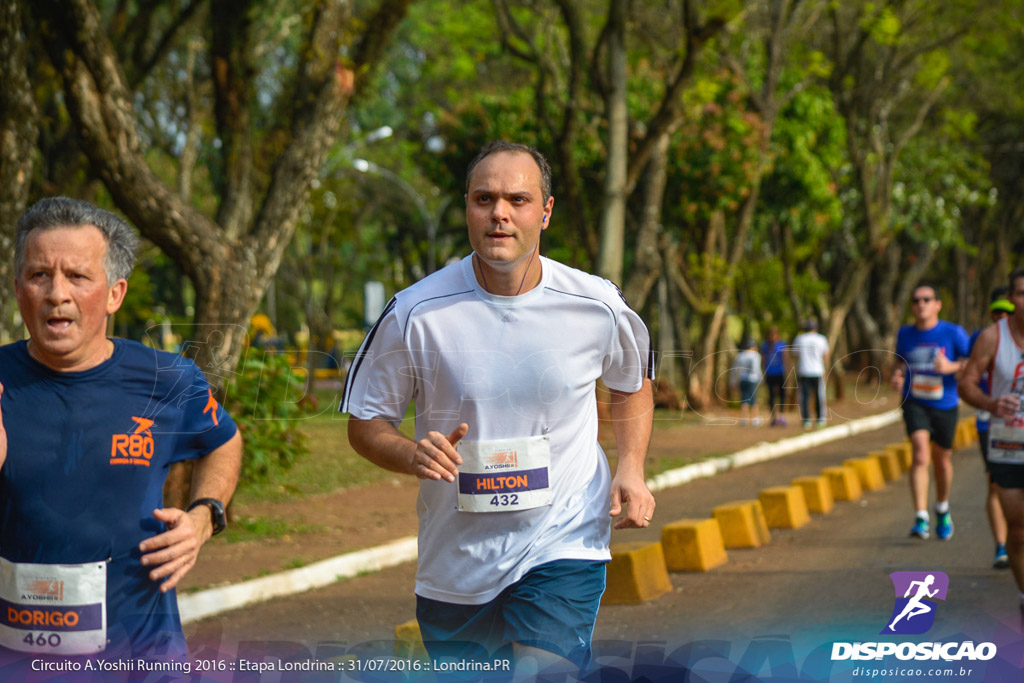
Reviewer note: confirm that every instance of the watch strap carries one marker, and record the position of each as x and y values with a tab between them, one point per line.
217	516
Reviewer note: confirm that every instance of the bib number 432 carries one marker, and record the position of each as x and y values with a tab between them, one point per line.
505	499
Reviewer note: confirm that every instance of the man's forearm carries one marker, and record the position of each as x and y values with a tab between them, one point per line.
632	415
216	474
972	394
382	444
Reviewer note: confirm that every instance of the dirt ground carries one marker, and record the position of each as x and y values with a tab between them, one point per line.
357	518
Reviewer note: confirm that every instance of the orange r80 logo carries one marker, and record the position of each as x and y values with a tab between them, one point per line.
135	448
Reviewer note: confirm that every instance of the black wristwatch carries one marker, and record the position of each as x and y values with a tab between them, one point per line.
217	517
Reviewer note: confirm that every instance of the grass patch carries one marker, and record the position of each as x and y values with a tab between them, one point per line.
331	464
254	528
295	563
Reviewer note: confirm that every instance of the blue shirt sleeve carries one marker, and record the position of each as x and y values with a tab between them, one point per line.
962	343
205	425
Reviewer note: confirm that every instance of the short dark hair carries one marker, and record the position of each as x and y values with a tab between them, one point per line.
496	146
65	212
1000	292
1017	273
930	285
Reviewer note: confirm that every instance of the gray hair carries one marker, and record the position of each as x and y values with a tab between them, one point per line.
65	212
496	146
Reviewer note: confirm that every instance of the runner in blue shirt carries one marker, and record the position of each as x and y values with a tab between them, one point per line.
90	556
929	354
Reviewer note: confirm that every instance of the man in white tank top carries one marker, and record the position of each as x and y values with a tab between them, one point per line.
1000	351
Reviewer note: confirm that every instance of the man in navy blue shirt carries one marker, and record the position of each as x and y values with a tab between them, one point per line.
90	555
930	354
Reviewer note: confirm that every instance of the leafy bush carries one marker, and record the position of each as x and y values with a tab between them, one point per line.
263	398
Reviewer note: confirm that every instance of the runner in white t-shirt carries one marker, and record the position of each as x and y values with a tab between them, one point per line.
501	352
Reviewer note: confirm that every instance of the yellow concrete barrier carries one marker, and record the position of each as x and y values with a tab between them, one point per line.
637	573
868	472
693	545
742	524
958	437
889	463
904	454
327	373
784	507
817	492
844	482
966	433
409	641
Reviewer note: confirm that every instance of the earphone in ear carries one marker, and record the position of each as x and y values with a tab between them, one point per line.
544	219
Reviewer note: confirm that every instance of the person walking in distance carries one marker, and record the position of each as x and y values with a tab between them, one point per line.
747	371
811	352
775	358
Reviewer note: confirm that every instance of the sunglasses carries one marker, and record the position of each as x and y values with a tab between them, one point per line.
922	299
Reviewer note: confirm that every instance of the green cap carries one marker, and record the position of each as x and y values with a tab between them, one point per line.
1001	305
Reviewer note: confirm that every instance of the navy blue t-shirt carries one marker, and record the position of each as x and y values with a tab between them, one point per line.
774	358
917	348
88	453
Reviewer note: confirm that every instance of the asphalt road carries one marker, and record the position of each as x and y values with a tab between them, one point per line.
771	613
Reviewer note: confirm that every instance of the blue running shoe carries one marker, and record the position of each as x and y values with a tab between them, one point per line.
944	527
920	528
1001	561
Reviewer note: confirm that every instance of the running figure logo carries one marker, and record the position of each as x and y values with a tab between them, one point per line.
914	611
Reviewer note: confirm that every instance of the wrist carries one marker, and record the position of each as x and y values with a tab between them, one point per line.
214	514
202	520
628	468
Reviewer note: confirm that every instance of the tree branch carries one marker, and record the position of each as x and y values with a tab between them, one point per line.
101	106
164	43
233	75
667	115
509	27
314	135
379	29
922	113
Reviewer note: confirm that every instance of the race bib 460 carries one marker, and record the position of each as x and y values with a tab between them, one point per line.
56	609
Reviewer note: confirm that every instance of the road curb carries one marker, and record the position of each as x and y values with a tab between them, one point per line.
770	450
213	601
207	603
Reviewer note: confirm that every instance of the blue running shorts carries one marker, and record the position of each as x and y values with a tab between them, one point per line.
552	608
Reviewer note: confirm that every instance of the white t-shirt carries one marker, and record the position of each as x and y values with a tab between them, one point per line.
747	366
510	367
810	349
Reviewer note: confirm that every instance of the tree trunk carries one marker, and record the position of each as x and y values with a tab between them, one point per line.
648	267
19	130
613	212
